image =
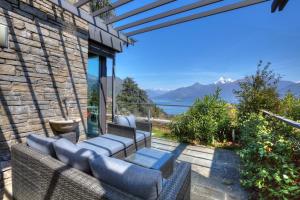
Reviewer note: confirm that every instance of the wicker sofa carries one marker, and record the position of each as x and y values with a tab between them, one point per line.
36	176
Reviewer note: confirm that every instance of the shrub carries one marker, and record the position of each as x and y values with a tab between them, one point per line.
206	121
258	91
267	166
290	107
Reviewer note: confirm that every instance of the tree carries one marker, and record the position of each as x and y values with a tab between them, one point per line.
93	95
258	91
98	4
133	100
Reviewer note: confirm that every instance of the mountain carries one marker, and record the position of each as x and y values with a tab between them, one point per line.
227	87
223	80
152	93
92	81
197	90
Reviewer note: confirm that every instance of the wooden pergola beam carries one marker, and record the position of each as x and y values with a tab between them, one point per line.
110	7
222	9
142	9
168	13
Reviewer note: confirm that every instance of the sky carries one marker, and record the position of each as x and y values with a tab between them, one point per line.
226	45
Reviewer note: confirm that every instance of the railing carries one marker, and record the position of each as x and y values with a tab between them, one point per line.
150	115
287	121
293	138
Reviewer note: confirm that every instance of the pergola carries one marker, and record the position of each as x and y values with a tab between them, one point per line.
277	5
104	31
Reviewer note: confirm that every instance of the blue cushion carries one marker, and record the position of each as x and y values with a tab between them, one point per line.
141	135
136	180
131	121
121	120
70	154
41	143
102	145
126	142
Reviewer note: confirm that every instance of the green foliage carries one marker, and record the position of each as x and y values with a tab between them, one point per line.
208	120
290	107
93	95
268	168
133	100
98	4
258	91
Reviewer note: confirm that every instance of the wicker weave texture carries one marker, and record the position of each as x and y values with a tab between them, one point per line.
37	177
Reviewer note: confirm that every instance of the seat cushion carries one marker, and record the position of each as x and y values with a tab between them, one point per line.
41	143
126	142
102	145
72	155
141	135
130	178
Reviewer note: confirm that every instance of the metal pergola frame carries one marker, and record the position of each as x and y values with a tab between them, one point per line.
104	32
277	5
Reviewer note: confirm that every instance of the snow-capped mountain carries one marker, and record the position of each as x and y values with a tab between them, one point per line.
223	80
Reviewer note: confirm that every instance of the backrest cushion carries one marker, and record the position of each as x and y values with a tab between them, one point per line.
136	180
70	154
125	120
121	120
131	121
41	143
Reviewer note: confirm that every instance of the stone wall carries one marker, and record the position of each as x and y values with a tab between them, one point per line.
45	63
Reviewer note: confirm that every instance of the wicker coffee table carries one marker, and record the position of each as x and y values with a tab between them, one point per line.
153	159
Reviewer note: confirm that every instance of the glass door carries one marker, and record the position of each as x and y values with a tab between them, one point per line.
93	79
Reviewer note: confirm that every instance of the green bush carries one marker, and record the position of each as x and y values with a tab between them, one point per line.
290	107
268	170
208	120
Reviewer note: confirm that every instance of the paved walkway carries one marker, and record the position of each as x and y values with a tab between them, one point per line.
215	172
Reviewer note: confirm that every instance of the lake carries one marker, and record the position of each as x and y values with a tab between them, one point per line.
173	110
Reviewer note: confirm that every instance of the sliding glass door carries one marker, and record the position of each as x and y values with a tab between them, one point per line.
93	78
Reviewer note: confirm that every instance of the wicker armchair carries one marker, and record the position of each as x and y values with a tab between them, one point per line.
36	176
141	134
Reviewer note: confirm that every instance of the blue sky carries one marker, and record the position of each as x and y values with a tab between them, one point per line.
228	45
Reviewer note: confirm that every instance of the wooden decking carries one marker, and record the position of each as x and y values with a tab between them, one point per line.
215	172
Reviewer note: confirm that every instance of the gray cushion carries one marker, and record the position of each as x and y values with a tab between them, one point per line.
141	135
131	121
138	181
121	120
76	157
126	142
41	143
102	145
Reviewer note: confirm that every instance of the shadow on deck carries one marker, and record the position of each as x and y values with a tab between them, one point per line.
215	172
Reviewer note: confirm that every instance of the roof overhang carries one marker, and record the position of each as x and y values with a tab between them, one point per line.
98	30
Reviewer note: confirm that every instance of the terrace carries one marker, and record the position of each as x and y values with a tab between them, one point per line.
48	48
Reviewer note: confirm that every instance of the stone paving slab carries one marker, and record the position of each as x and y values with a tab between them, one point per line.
212	169
215	171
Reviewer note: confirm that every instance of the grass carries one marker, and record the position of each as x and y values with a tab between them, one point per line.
163	132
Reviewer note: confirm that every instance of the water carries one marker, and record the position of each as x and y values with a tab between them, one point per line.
173	110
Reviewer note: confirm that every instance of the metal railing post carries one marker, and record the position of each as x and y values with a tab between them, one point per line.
113	112
149	117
